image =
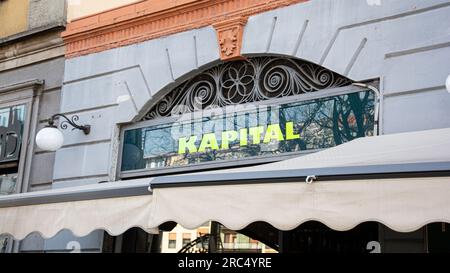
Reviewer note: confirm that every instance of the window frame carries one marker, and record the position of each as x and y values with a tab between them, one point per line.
204	166
186	236
170	240
27	94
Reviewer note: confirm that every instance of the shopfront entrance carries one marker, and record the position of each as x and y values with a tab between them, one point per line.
258	237
315	237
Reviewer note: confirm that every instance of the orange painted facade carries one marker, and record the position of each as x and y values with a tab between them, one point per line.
151	19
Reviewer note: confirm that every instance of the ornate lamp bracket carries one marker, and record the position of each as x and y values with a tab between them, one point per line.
229	35
64	124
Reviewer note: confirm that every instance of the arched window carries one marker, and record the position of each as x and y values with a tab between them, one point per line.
245	112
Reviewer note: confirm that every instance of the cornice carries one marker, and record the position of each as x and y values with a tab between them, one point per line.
31	33
33	49
151	19
31	84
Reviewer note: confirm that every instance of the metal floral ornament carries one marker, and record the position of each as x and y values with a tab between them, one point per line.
245	81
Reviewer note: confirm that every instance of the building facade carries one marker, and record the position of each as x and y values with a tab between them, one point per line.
122	68
31	75
31	71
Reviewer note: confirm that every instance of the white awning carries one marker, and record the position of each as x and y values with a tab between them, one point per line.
401	181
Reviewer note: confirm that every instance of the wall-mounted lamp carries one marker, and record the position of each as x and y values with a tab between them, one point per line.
51	139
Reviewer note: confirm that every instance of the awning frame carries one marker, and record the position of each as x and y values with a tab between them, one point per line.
145	186
321	174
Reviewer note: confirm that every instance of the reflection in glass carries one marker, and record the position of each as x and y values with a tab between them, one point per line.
11	130
199	240
319	124
8	184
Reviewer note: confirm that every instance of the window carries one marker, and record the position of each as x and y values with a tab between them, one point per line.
247	112
172	240
230	238
264	132
11	131
17	102
186	238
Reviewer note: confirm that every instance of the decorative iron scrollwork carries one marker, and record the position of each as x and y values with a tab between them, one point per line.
251	80
72	122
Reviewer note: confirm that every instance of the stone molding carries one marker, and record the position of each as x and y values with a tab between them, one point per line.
32	48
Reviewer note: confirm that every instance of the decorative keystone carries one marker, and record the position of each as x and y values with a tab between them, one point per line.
229	35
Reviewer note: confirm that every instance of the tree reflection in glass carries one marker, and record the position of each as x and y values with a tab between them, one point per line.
320	123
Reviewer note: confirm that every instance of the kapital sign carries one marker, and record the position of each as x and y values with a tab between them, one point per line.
211	141
248	132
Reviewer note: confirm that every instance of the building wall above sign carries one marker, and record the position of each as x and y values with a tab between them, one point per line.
81	8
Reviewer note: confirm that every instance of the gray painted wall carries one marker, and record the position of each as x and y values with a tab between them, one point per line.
405	43
51	72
